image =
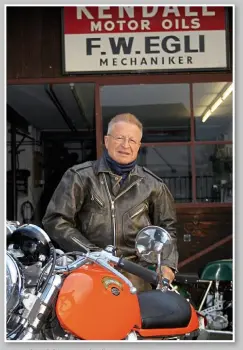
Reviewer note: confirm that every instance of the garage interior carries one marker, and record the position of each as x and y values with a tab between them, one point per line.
59	127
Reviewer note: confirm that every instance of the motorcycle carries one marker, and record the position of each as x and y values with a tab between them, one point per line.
215	279
52	295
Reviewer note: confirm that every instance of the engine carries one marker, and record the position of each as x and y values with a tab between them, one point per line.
218	307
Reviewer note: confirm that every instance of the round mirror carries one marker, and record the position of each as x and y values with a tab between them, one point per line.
152	240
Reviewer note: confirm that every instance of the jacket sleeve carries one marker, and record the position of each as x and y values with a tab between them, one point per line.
59	219
164	215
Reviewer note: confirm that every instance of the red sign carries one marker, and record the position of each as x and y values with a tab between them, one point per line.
84	20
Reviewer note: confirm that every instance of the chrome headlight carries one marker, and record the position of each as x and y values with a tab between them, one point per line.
14	283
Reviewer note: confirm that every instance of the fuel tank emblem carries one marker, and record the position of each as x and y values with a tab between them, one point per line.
108	281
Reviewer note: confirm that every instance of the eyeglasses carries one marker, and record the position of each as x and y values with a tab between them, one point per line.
122	139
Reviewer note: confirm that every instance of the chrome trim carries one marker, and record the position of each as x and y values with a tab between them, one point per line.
14	283
27	334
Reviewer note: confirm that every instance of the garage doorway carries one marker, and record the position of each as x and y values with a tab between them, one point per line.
57	131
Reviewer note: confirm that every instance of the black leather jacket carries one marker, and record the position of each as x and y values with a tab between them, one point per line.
89	208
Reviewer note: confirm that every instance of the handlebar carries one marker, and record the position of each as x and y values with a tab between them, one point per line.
73	266
146	274
103	258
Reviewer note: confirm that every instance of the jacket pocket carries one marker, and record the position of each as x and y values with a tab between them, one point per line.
93	203
139	211
133	221
96	199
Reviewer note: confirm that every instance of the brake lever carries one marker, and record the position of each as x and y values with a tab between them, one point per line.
73	266
82	260
103	258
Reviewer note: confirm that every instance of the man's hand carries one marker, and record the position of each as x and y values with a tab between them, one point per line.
167	273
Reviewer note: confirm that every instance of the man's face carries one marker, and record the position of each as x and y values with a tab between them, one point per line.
123	142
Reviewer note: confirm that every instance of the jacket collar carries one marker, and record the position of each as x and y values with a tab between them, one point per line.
100	166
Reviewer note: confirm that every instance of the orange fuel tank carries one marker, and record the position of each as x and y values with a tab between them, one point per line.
94	304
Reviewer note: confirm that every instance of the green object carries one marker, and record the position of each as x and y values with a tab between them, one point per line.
182	290
218	270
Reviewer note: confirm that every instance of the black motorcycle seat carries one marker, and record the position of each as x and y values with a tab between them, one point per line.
163	310
186	277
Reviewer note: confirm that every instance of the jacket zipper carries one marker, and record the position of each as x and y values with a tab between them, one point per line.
127	189
77	241
112	203
93	197
139	211
113	215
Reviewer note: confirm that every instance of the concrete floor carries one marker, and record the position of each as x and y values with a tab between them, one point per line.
215	335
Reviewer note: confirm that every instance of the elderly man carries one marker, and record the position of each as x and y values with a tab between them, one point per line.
109	200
